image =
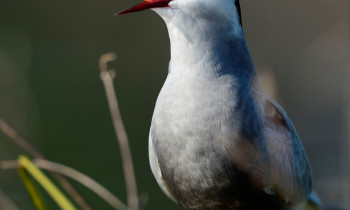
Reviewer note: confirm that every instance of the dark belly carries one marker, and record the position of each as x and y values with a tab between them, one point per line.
229	189
203	179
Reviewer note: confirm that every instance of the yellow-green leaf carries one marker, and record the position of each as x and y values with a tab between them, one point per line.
32	190
45	182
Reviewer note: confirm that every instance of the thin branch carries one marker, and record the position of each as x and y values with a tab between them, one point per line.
27	146
73	174
6	202
9	164
83	179
22	142
107	77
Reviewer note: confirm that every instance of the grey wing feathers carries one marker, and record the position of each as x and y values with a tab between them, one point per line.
156	170
290	172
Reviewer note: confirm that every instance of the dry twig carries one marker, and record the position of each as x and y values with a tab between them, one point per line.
83	179
73	174
6	202
24	144
107	77
16	137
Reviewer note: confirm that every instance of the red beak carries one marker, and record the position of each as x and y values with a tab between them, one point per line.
148	4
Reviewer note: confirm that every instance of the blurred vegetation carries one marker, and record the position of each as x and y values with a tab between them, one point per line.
51	92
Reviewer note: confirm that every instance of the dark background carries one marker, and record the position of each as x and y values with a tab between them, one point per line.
51	92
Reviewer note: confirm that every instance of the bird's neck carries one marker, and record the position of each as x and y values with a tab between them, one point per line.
209	48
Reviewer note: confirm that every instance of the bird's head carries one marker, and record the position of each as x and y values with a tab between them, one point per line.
212	10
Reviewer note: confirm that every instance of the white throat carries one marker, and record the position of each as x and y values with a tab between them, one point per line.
207	38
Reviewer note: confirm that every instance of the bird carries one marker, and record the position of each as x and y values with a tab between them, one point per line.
217	141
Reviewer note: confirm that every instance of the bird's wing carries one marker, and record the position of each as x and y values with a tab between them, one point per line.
290	174
313	203
156	169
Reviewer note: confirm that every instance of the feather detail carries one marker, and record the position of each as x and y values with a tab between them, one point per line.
290	171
